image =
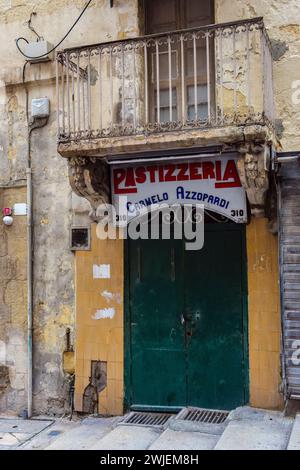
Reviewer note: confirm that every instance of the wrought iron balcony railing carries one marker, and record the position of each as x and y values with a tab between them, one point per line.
212	76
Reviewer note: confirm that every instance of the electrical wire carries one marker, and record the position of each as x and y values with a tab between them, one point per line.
39	38
58	44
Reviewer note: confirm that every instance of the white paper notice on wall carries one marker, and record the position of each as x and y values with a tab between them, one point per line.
101	271
104	313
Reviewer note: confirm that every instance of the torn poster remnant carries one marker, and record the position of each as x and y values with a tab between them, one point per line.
101	271
104	313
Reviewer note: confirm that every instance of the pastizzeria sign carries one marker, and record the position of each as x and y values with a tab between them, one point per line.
213	182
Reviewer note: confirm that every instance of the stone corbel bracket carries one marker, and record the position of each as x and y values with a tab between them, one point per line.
253	167
89	178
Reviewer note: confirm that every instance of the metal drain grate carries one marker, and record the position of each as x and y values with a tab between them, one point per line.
146	419
198	415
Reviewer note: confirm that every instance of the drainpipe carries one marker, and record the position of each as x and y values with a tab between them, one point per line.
35	124
29	285
29	257
31	126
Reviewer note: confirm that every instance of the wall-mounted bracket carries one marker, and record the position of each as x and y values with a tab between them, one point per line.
89	178
253	167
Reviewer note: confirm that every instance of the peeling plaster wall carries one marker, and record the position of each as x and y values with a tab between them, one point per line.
54	205
13	306
54	297
53	262
53	269
282	20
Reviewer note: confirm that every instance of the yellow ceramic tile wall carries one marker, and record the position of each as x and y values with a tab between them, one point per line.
264	316
99	320
102	339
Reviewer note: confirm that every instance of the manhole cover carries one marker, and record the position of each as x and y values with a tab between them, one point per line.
199	415
146	419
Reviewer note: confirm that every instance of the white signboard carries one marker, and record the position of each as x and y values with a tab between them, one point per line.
213	182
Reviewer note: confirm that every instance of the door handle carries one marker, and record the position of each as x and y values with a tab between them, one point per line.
186	318
190	318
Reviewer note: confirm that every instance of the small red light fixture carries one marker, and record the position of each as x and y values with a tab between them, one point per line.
6	211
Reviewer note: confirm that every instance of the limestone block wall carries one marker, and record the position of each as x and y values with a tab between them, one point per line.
13	311
54	289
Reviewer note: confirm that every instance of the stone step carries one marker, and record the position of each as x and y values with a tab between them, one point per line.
294	442
128	438
184	440
250	429
85	435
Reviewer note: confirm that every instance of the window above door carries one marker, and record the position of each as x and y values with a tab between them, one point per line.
171	15
179	69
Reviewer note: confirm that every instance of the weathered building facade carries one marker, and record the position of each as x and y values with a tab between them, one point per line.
140	90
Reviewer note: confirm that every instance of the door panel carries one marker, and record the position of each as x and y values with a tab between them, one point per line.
186	321
157	336
213	303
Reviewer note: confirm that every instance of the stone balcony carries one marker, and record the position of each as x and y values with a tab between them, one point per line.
208	87
194	88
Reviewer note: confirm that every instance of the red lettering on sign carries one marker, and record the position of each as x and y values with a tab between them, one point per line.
169	175
182	174
208	170
230	174
161	174
119	177
194	173
218	171
140	174
152	170
125	180
130	179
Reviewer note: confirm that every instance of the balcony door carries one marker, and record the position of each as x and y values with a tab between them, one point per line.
180	68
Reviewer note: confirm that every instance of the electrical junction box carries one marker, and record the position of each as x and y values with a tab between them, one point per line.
20	209
39	48
40	107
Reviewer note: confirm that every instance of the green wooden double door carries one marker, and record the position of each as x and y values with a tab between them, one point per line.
186	322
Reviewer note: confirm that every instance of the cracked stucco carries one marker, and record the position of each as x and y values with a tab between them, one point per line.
53	261
54	268
282	19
